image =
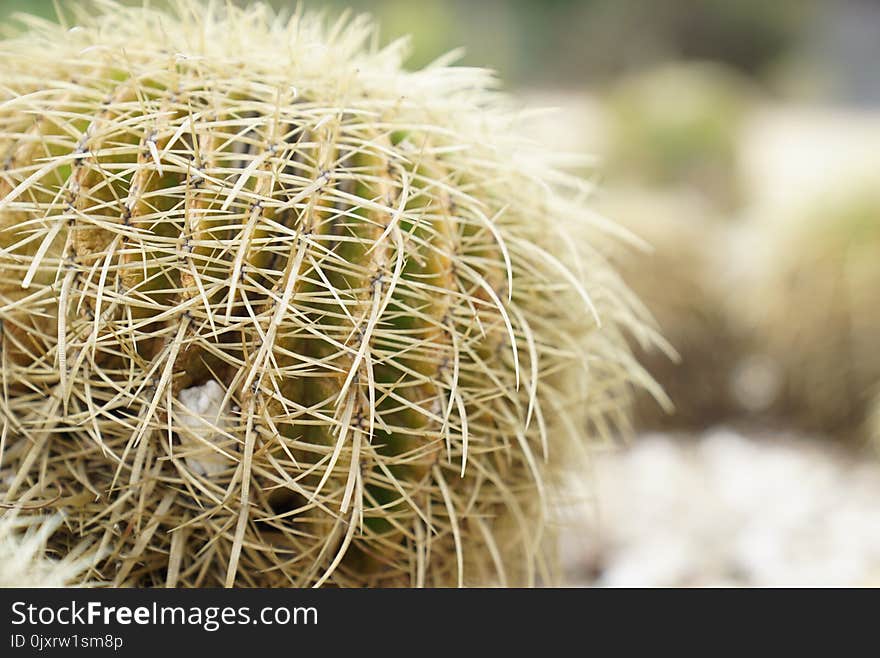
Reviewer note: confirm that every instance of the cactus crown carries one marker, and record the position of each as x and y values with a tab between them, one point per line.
276	311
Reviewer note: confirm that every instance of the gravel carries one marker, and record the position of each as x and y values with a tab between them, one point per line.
725	509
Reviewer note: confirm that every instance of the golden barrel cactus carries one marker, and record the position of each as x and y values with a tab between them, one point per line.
278	312
679	280
874	422
812	304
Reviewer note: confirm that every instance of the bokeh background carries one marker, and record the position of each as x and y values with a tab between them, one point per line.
741	141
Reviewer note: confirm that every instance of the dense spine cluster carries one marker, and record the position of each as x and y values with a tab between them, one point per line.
277	312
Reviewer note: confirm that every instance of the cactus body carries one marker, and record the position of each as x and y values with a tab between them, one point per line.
812	305
680	282
277	312
874	422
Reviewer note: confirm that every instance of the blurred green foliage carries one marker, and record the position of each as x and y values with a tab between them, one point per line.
43	8
552	42
680	124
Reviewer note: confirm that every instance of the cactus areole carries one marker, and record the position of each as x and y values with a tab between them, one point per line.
276	311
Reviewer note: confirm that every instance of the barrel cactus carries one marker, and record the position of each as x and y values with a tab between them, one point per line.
679	280
812	304
874	422
278	312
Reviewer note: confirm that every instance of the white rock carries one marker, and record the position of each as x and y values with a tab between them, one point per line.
201	421
727	510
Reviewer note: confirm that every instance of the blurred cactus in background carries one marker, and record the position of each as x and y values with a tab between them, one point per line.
680	125
874	422
813	305
678	279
